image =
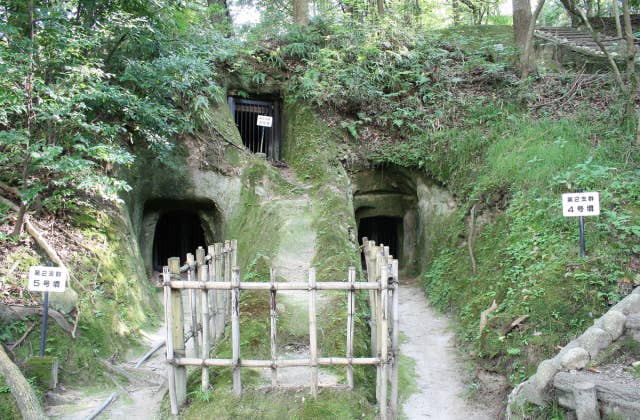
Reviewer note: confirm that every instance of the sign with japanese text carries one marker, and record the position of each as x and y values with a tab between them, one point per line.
265	121
581	204
47	279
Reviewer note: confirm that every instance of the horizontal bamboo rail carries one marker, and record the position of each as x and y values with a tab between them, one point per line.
327	285
248	363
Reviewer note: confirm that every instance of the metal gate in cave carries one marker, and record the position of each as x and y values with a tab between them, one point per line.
258	137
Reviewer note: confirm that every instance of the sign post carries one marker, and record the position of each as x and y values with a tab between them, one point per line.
262	122
46	279
581	204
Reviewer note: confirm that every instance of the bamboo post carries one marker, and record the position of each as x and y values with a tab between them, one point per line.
234	252
175	340
235	330
227	271
369	257
274	330
204	273
313	339
379	258
200	265
191	262
395	339
220	296
211	294
384	332
350	325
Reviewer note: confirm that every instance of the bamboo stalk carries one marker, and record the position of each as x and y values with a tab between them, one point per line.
227	273
370	248
174	269
313	338
211	293
234	252
350	325
274	330
326	285
251	363
220	297
193	304
377	315
384	332
204	272
395	339
235	331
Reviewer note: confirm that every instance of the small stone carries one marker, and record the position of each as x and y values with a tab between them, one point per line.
575	358
613	323
636	364
594	340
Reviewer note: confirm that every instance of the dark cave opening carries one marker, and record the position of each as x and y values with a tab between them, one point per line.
177	233
258	122
384	230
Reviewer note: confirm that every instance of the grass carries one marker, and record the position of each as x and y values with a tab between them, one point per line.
527	252
279	404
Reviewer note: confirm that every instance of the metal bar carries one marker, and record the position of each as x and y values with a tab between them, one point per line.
582	242
45	319
329	285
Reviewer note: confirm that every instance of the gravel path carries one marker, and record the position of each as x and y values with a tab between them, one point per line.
429	341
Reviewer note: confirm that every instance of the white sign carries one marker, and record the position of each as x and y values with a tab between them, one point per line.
47	279
265	121
581	204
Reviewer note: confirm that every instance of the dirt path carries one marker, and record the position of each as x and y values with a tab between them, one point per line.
429	341
138	391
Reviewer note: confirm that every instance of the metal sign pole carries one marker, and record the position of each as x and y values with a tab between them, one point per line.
582	246
45	318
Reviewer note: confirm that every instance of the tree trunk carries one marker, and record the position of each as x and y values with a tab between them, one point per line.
521	22
301	12
455	6
26	399
630	71
616	18
380	5
220	14
527	53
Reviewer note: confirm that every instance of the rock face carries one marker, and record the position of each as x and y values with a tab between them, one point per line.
584	393
423	207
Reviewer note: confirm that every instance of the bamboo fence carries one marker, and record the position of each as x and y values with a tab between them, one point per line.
216	278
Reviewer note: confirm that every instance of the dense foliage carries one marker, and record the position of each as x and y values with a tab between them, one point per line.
85	86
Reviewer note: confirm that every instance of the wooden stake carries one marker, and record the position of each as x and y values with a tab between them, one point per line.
395	340
204	273
384	332
274	330
369	256
234	252
221	297
211	294
175	341
227	270
194	304
313	339
235	330
350	325
379	262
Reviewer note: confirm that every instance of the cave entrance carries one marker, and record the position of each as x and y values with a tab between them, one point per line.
258	122
177	233
384	230
173	228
